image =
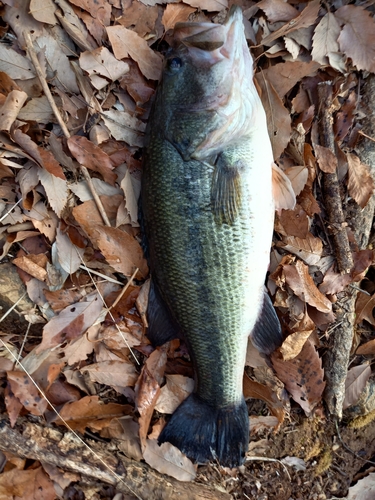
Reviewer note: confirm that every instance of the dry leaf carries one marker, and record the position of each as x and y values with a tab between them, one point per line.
176	390
278	117
89	411
26	484
308	249
38	110
367	349
252	389
43	11
360	183
298	177
355	382
302	376
112	373
364	489
357	37
326	159
298	278
121	251
294	343
364	307
124	127
304	20
168	459
101	62
127	43
175	13
71	322
325	38
14	64
92	157
285	75
277	10
11	108
26	392
293	223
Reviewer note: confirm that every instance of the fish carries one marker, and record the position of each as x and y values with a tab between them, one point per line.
207	214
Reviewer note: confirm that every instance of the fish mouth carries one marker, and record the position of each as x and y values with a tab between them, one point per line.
212	42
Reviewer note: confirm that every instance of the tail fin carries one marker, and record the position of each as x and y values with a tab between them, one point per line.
206	433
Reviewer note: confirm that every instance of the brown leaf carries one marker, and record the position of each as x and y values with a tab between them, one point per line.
304	20
127	43
360	183
285	75
293	223
26	484
308	249
294	343
168	459
325	38
326	159
278	117
252	389
175	13
102	67
367	349
355	382
28	264
13	405
11	108
298	177
357	37
345	117
302	376
89	411
176	390
92	157
71	322
277	10
139	17
298	278
26	392
363	308
336	282
112	373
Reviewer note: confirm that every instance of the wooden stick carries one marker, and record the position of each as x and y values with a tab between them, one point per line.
330	184
47	92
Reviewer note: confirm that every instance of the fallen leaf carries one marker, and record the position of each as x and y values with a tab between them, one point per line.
11	108
92	157
293	223
304	20
122	251
127	43
298	278
169	460
88	411
308	249
124	127
26	392
252	389
325	38
26	484
364	489
366	349
326	159
278	117
175	13
176	390
298	177
71	322
43	11
294	343
356	39
355	382
277	10
360	183
112	373
101	62
14	64
364	307
37	109
284	76
302	376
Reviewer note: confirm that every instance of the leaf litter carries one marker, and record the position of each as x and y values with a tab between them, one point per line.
102	62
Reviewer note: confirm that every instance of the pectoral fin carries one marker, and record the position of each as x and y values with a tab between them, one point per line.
267	335
283	193
226	190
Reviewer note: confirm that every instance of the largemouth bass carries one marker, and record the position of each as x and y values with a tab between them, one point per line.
208	214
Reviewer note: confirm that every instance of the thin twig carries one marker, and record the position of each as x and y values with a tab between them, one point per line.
64	128
12	307
267	459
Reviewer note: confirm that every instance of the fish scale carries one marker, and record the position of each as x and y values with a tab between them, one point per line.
208	219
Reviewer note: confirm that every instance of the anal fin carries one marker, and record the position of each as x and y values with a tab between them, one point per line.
267	335
161	326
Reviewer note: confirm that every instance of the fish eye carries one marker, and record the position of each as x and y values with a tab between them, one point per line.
174	63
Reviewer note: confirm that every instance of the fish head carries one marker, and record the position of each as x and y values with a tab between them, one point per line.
208	74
